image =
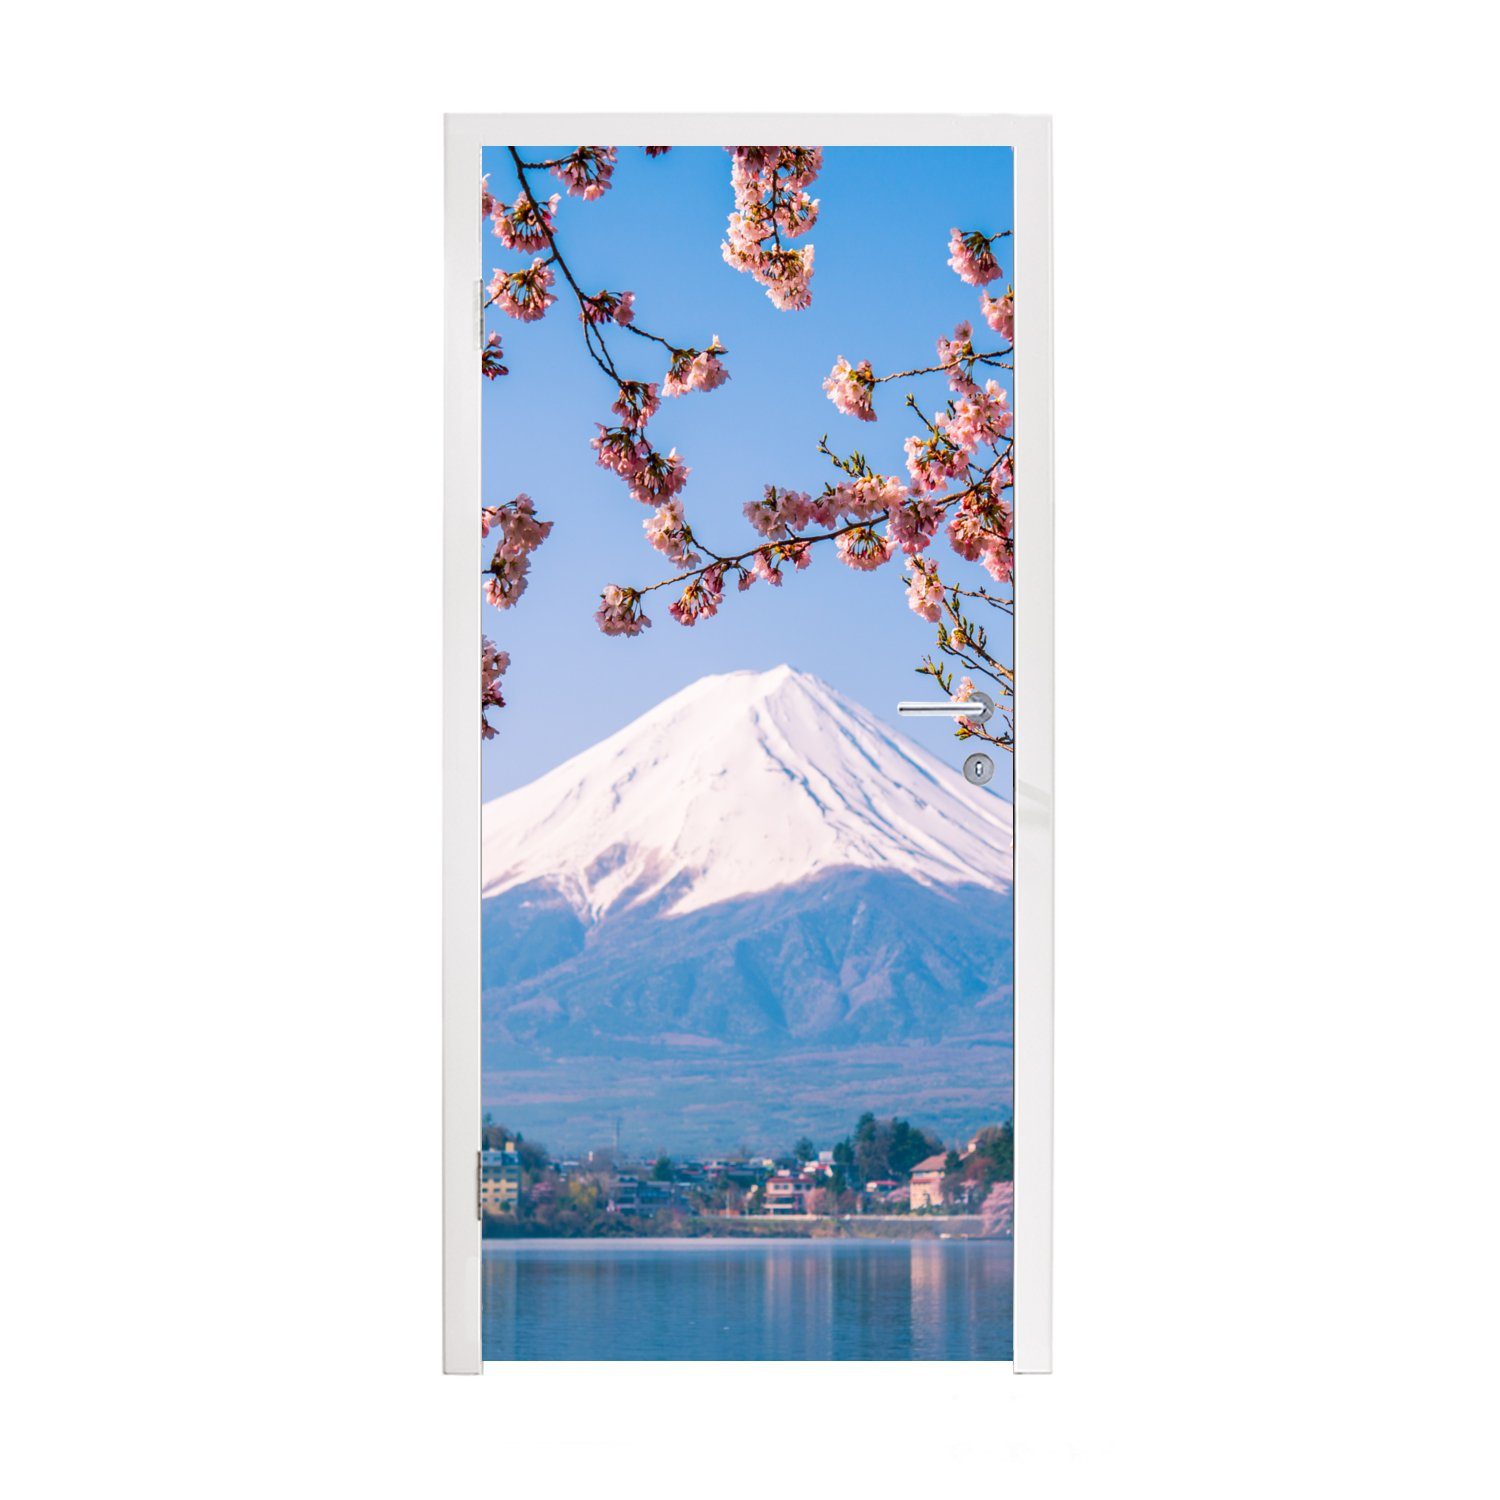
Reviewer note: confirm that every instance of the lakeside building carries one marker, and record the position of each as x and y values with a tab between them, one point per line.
634	1194
786	1193
927	1182
500	1180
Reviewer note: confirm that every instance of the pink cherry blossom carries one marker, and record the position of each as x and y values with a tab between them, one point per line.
864	498
914	523
983	417
933	461
966	534
603	306
486	201
771	205
745	232
493	665
796	214
618	449
956	355
851	388
666	531
828	508
636	404
523	294
489	362
700	599
657	150
762	170
521	533
981	529
863	548
973	258
800	165
764	566
751	169
675	381
522	227
695	370
1000	313
787	277
924	589
506	581
707	373
999	563
619	611
778	512
656	476
586	171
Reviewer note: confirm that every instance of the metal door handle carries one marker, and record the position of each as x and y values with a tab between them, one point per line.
978	708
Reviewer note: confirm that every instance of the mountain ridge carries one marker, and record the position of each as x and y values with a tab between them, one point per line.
741	783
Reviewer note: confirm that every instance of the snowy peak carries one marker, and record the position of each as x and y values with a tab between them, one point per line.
742	783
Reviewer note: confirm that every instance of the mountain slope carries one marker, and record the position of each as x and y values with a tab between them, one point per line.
755	908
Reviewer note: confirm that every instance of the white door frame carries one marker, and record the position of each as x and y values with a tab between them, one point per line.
1031	139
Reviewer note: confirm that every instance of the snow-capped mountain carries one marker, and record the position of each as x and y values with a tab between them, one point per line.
739	784
751	914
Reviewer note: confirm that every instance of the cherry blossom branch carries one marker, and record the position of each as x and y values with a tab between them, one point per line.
992	359
795	542
561	164
789	543
851	387
1007	606
595	308
590	334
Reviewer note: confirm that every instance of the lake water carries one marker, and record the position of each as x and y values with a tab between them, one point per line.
747	1299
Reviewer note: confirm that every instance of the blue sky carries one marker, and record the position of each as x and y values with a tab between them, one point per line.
882	291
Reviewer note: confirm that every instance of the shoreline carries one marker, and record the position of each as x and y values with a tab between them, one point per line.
896	1227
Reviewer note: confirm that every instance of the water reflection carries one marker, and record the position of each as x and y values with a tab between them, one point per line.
747	1299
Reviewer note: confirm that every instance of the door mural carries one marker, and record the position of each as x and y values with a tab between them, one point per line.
747	463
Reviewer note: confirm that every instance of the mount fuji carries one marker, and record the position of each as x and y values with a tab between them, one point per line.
750	915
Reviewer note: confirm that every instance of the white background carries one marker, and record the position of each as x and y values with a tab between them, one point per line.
219	579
